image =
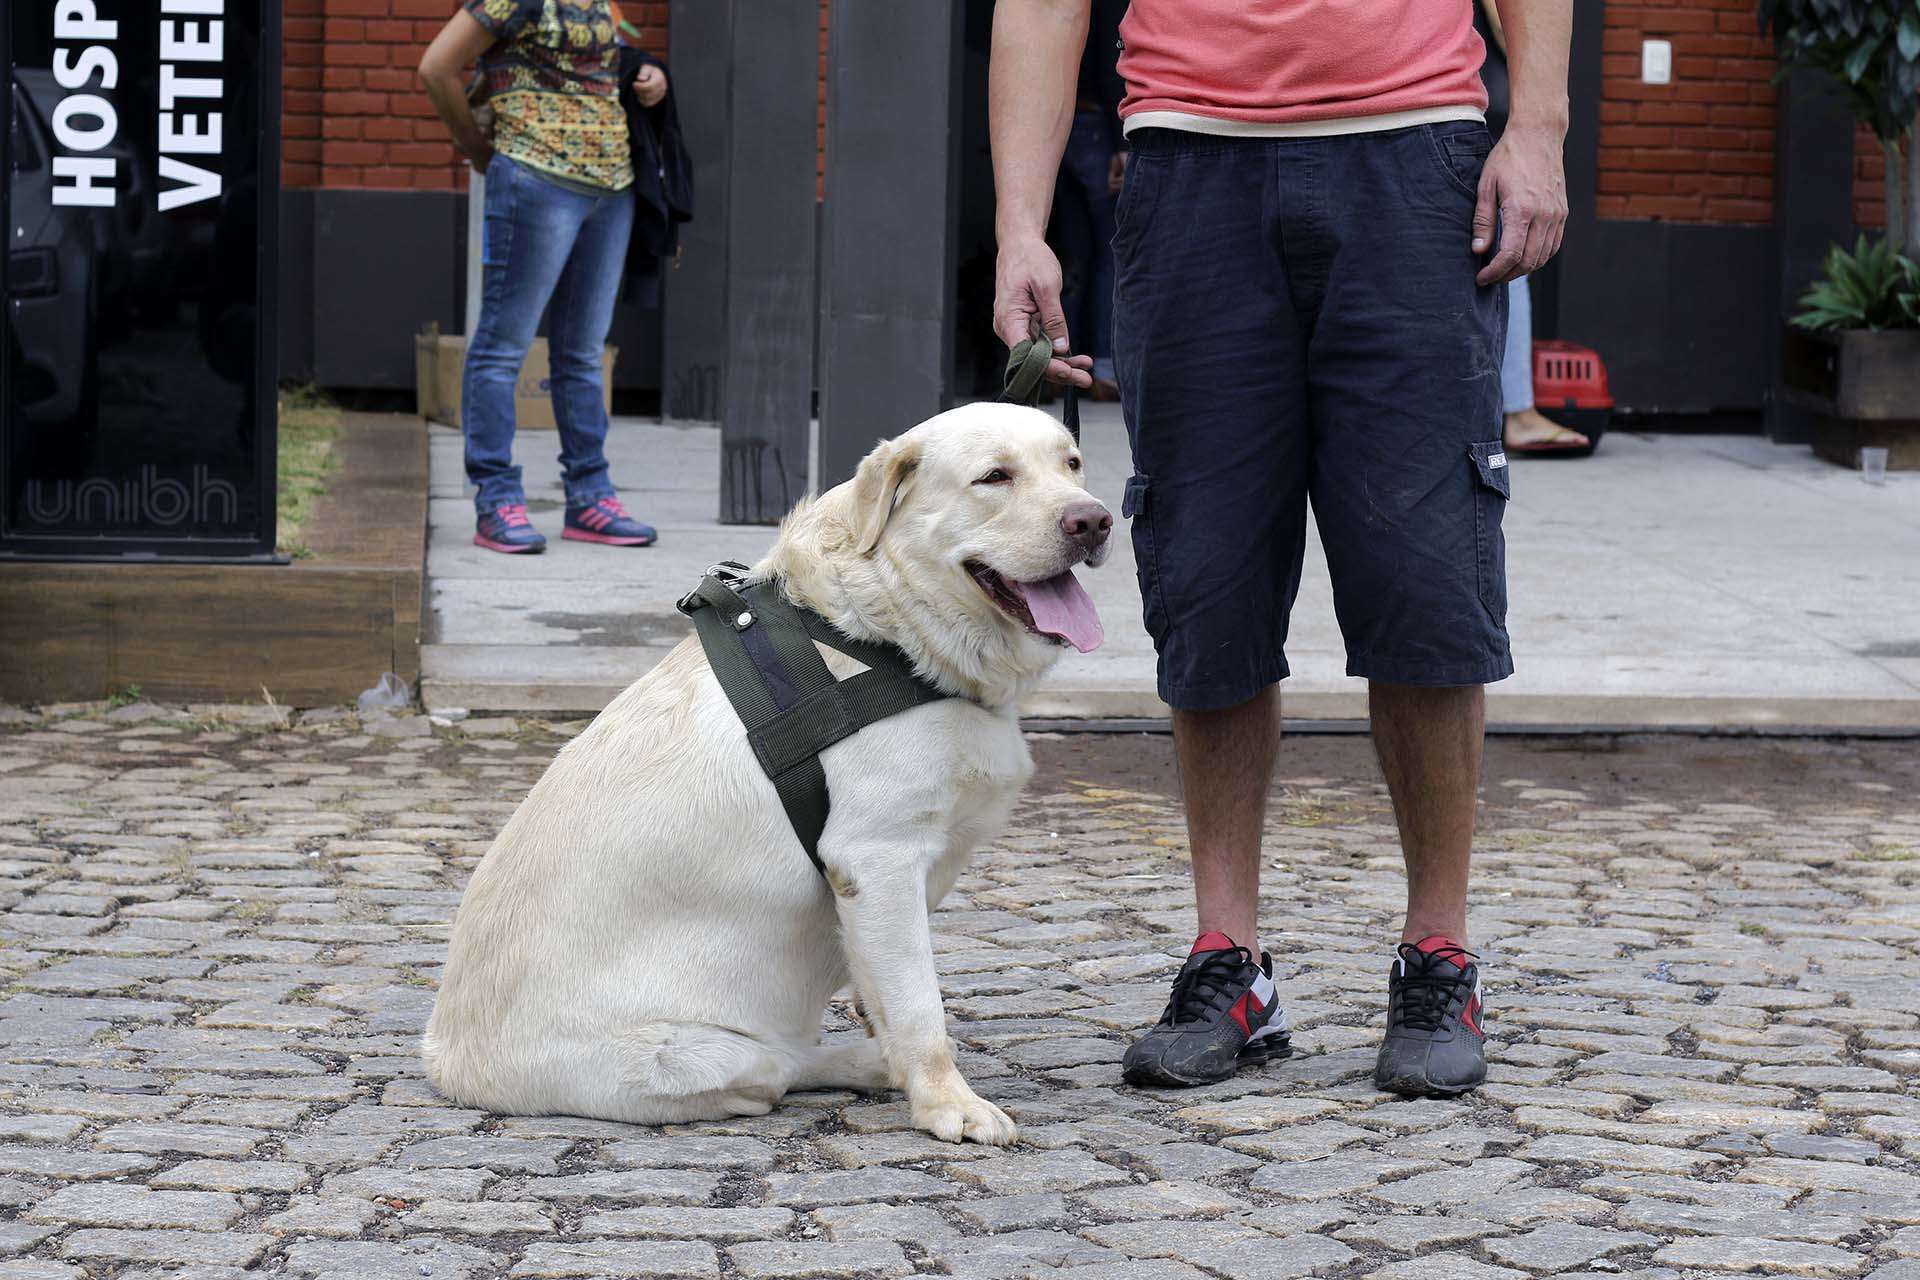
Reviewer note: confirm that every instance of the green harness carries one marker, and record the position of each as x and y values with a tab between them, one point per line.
761	649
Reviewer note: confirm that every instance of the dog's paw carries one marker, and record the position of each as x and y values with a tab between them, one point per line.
965	1117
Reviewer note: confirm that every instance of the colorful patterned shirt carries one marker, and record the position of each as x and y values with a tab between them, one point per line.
553	81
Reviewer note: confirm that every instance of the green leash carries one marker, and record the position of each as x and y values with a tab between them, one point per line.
1027	372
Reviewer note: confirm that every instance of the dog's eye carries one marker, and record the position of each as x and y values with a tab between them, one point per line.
996	476
1073	464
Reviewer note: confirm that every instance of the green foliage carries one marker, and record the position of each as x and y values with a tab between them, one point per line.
1871	47
308	423
125	698
1871	288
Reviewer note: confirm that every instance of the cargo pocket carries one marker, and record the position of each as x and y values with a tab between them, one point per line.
1136	505
1492	488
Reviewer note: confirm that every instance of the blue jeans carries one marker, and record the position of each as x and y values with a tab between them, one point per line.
543	243
1516	366
1090	316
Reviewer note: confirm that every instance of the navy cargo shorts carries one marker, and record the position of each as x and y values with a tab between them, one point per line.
1297	318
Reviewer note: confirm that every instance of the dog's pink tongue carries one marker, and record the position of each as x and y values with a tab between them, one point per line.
1061	607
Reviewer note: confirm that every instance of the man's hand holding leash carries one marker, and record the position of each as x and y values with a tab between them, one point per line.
1030	87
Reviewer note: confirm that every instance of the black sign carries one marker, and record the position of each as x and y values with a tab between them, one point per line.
137	395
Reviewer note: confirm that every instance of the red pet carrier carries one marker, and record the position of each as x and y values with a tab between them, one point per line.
1570	386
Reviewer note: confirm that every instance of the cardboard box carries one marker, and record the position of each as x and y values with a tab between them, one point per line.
439	360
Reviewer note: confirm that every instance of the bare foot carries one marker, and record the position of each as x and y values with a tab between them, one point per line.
1530	429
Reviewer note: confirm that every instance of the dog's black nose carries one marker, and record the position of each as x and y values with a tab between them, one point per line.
1087	523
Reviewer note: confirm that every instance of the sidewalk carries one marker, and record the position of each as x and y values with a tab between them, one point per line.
1669	581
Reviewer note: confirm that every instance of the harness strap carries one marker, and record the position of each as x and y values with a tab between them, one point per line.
761	649
1026	374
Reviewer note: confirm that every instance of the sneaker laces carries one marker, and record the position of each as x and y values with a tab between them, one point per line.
513	514
611	505
1426	994
1206	988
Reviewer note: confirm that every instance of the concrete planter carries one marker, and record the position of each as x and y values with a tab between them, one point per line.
1862	388
312	633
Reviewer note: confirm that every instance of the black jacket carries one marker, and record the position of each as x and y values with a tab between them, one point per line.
662	181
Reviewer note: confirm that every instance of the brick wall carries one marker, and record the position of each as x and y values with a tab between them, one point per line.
1869	180
820	126
353	112
1699	149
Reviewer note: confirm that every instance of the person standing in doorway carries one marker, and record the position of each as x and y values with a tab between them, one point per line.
1312	249
1090	173
1527	430
559	208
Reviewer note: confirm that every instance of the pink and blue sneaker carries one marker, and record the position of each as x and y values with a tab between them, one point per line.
606	521
506	528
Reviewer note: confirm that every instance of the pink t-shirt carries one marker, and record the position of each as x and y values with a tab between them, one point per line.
1279	61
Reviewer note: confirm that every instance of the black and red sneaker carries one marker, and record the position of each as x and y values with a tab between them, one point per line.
1224	1015
1435	1046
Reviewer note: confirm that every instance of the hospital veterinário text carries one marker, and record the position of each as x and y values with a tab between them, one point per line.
86	122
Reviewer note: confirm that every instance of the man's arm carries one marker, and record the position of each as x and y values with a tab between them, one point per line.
1524	181
1031	77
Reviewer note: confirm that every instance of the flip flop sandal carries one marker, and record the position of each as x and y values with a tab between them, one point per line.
1564	443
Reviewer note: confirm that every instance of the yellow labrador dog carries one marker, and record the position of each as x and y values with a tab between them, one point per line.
646	941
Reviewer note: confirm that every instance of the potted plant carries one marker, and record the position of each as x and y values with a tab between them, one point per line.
1852	354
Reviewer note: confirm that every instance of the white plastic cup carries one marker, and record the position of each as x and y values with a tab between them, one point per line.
1873	465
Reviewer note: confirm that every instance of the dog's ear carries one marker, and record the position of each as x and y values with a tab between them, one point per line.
876	487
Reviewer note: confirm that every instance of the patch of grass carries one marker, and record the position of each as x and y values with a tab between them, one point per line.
125	698
308	424
1754	930
1299	809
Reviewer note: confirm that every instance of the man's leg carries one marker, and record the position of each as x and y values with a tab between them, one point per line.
1429	744
1410	488
1226	768
1429	741
1209	352
1224	1013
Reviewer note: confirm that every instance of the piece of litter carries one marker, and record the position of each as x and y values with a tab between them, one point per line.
390	693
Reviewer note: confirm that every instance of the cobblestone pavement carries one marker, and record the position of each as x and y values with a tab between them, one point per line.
223	930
